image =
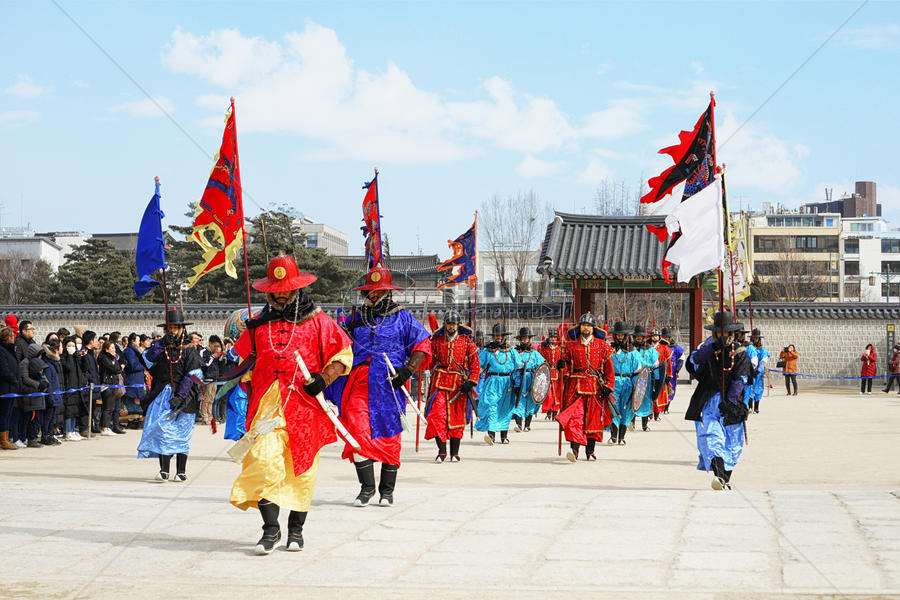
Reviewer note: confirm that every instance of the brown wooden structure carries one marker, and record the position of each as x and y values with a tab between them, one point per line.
593	254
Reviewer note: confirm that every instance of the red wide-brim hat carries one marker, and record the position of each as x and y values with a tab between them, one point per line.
282	275
378	278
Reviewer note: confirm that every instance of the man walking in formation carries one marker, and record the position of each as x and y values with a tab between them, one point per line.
587	406
372	406
529	359
676	362
648	359
661	390
174	398
454	375
495	404
552	352
718	411
280	469
759	377
626	363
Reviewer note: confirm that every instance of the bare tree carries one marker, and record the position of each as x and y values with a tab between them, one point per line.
617	198
511	227
15	270
790	277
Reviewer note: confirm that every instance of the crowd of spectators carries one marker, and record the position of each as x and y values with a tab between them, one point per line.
74	385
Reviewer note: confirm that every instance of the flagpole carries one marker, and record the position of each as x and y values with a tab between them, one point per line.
240	197
475	316
165	299
728	239
749	290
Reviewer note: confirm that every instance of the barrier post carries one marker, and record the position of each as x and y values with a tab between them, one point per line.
90	427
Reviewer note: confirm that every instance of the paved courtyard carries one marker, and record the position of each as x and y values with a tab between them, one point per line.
815	512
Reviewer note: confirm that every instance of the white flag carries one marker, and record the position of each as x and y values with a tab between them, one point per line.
701	246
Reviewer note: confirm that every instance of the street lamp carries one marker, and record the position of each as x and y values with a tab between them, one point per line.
887	277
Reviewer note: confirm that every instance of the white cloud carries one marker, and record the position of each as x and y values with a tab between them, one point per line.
79	84
306	84
697	66
604	68
534	167
18	118
26	88
758	159
145	108
872	37
621	119
596	171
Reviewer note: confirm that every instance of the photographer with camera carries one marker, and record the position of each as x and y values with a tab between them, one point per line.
789	356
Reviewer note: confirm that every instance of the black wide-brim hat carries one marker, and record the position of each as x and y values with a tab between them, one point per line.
175	317
498	329
724	321
621	328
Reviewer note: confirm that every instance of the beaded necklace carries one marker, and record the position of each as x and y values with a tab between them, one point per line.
180	349
293	329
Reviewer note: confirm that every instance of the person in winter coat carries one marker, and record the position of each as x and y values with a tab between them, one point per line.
10	383
868	359
74	403
88	361
24	339
110	370
53	375
790	355
893	364
134	374
31	369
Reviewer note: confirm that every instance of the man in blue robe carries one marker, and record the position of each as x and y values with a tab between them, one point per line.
529	360
719	421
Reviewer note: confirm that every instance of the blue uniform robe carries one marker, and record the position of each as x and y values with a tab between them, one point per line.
648	357
624	364
495	405
527	406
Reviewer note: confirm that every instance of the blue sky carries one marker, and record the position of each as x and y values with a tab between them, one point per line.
453	102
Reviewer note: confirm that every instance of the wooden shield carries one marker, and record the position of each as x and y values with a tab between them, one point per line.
640	387
540	383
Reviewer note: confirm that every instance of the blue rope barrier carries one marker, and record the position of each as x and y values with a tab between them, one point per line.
824	377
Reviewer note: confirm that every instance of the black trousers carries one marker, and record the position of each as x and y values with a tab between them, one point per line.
865	385
890	382
788	379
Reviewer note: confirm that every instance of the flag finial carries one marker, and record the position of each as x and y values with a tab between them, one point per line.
156	179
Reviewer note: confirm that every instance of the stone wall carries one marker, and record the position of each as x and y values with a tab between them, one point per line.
829	341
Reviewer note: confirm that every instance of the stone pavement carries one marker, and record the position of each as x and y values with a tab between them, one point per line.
815	513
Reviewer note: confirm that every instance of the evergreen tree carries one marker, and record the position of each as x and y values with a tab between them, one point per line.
94	273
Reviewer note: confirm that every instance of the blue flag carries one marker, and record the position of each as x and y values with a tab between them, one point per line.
151	255
464	261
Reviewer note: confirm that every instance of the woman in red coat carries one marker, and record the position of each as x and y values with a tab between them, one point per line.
868	369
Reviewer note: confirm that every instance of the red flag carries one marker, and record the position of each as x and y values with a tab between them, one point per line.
372	228
220	211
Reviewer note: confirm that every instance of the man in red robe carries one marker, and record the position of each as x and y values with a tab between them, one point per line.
586	405
454	375
661	344
552	353
280	468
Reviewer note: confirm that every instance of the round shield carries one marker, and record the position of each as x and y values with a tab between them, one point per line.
540	383
237	323
640	388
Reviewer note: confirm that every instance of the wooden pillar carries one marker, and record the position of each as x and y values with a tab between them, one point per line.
576	300
696	318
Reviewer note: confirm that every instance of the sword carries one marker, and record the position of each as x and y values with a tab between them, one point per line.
329	408
392	373
612	405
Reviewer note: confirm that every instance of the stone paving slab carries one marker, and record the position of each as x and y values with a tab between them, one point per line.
85	520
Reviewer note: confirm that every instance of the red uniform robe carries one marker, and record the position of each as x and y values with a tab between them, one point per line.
454	361
585	412
665	358
552	355
318	339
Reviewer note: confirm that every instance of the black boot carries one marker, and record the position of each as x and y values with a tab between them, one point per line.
271	530
728	476
589	450
442	450
454	449
387	483
295	531
165	461
644	421
528	423
717	466
518	421
756	407
613	435
365	472
572	455
489	438
622	429
503	437
180	467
